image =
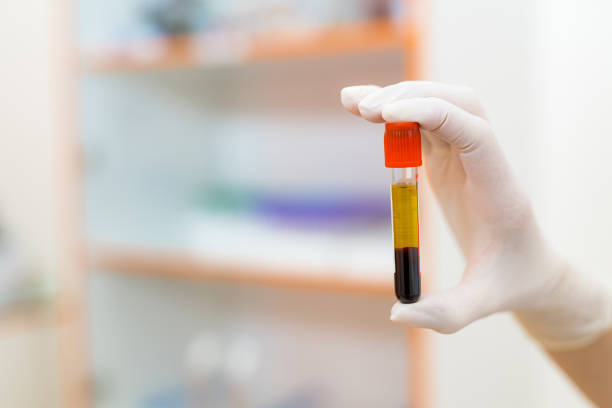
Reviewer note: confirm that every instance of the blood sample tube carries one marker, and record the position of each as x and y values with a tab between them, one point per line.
403	156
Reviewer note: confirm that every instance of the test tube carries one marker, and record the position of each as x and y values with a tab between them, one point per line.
403	156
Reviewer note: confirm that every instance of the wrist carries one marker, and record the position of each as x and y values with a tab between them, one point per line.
572	312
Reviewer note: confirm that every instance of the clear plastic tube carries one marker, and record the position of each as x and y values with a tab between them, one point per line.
405	213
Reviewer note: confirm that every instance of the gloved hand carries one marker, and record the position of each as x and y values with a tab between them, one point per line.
510	266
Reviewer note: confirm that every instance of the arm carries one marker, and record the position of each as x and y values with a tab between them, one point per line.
509	264
589	368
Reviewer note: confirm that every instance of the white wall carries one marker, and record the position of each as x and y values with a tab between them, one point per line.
542	70
574	91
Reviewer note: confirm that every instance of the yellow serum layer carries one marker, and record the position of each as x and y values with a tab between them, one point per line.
404	204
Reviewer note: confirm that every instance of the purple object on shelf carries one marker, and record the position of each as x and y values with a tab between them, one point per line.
324	210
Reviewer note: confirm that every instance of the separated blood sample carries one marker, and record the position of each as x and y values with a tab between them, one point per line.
403	156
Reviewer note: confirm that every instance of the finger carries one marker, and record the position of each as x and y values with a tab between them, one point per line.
352	95
372	105
445	312
442	119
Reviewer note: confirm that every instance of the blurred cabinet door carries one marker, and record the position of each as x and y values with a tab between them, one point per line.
27	368
38	197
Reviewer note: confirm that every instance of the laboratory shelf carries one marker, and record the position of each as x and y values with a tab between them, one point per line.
17	319
177	264
234	47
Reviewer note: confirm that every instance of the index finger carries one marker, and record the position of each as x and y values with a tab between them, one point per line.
371	100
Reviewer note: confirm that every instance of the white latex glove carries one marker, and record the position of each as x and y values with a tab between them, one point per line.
510	266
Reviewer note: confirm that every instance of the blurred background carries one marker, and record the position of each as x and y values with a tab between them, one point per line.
188	218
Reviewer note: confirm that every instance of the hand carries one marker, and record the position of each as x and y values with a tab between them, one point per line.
509	264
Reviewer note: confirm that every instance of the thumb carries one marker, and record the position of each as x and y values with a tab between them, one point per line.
446	311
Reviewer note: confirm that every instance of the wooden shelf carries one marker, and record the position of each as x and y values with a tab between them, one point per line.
26	317
201	50
175	265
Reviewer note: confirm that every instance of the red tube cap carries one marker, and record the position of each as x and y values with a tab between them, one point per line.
402	145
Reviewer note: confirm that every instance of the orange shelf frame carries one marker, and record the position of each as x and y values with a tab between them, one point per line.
407	37
202	50
177	265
